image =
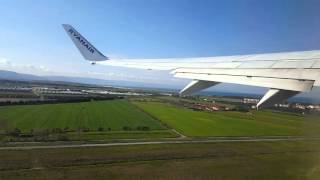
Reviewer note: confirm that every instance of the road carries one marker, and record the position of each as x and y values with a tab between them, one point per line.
215	140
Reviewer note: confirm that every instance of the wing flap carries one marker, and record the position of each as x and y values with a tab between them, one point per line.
275	83
299	74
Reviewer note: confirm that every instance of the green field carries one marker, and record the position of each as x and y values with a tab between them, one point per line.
287	159
114	114
255	123
234	160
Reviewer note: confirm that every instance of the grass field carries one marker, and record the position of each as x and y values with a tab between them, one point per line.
255	123
113	114
220	160
236	160
117	114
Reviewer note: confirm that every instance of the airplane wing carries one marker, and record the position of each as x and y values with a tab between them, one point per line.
285	74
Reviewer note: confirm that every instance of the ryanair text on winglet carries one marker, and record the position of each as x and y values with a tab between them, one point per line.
81	40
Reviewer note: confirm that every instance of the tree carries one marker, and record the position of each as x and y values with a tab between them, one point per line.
126	128
100	129
15	132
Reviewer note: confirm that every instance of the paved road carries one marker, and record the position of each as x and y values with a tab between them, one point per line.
218	140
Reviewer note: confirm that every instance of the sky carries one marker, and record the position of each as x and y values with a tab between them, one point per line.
33	40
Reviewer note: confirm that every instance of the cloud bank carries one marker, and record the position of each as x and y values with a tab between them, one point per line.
106	73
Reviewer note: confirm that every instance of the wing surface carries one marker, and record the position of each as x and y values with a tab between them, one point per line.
285	74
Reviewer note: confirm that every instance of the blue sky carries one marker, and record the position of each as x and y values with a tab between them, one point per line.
33	41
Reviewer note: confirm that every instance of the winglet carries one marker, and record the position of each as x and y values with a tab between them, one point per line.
88	51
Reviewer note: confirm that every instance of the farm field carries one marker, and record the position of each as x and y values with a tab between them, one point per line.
255	123
115	115
246	160
112	116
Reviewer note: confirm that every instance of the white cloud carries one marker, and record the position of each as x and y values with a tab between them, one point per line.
4	62
98	72
107	73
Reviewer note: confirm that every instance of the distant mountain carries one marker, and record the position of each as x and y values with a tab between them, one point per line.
10	75
102	82
220	90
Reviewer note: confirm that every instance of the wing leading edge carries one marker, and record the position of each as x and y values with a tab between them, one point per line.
285	74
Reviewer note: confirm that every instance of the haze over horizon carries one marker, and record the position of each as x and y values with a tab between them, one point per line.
34	42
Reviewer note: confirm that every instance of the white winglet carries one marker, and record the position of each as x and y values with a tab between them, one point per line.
88	51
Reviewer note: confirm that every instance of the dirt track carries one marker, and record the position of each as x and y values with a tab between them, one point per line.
177	141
